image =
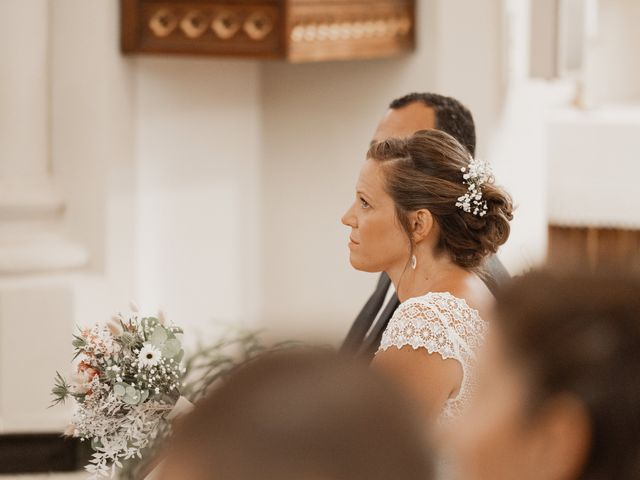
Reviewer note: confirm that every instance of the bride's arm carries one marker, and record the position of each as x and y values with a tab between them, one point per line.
427	378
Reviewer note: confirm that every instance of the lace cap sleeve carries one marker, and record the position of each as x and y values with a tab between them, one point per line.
444	324
439	323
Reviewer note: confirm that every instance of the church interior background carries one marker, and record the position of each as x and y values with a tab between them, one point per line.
209	181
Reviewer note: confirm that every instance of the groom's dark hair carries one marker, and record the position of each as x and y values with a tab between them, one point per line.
451	116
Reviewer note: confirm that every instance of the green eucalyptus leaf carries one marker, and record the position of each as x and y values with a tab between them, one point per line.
96	443
171	348
79	342
120	389
151	322
132	396
144	394
179	356
158	337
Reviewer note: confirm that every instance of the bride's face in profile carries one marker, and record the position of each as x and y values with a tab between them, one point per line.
377	241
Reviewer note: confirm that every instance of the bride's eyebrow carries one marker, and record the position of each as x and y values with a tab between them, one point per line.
363	194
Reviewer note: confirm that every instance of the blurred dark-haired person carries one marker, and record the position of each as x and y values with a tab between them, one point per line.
300	415
406	116
558	394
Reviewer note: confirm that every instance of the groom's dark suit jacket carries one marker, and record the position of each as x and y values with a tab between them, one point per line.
364	345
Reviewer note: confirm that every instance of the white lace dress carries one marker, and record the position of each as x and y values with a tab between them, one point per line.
444	324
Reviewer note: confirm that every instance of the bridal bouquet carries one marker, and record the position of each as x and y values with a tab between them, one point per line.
128	380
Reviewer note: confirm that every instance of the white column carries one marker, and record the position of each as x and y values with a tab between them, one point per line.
30	207
36	297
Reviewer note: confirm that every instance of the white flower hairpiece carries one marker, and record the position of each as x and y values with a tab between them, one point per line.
475	176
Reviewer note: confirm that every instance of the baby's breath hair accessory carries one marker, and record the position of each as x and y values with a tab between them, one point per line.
475	176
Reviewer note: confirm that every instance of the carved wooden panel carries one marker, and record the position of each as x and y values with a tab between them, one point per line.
295	30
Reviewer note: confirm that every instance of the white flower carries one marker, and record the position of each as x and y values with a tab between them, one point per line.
80	383
149	355
478	174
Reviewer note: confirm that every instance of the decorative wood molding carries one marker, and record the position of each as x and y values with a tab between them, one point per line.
293	30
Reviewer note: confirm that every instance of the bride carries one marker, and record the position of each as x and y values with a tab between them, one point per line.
428	214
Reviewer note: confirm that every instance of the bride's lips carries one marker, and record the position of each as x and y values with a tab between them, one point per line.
353	242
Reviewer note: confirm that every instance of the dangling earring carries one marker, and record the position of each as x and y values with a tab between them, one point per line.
414	262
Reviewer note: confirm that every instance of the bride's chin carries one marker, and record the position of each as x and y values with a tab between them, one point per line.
362	266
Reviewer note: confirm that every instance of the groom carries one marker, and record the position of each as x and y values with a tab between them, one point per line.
407	115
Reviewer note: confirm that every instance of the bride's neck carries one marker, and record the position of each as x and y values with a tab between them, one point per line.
432	274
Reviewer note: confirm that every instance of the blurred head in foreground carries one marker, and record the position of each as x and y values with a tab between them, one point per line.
303	415
559	385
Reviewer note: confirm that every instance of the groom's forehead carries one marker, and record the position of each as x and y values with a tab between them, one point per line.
405	121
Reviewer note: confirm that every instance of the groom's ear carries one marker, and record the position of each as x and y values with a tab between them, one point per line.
422	222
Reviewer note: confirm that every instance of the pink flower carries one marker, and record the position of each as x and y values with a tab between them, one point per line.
87	371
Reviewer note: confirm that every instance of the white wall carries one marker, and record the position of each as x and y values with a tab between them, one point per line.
197	155
470	59
159	161
612	63
92	148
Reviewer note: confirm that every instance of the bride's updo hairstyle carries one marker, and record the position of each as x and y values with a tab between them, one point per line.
425	171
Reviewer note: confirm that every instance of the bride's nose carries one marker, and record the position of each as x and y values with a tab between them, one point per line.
349	219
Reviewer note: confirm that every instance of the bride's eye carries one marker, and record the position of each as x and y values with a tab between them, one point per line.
364	203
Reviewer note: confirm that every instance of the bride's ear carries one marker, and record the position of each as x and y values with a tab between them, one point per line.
422	222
